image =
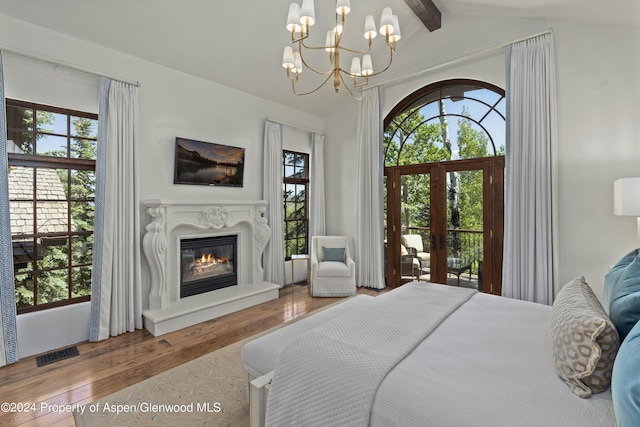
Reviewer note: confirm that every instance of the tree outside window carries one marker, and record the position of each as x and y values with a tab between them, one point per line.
52	155
295	188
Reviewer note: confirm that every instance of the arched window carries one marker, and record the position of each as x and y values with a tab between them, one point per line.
444	164
448	120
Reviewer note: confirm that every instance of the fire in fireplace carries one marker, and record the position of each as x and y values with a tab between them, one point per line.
207	264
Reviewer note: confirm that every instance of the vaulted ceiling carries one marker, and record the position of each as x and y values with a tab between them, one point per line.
239	43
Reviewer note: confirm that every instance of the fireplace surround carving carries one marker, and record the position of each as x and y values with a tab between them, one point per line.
173	221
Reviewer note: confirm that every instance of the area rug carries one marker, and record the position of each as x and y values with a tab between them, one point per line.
208	391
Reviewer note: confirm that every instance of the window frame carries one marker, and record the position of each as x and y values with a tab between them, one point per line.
304	181
41	161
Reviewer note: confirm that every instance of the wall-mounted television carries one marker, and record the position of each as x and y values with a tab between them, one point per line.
207	163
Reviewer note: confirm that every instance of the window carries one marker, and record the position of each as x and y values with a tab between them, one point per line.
295	186
449	120
52	154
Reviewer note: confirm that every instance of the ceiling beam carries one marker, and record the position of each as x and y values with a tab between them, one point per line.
428	13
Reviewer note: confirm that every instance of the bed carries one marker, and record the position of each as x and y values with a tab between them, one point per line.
483	360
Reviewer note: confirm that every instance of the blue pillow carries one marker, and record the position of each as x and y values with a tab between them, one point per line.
623	293
625	381
612	277
333	254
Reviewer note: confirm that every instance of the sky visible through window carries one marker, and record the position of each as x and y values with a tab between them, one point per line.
58	125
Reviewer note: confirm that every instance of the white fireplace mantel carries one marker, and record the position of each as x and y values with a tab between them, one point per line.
172	221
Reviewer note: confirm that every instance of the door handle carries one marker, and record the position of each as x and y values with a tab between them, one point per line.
441	242
433	242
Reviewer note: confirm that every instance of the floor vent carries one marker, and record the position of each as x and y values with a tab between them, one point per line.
56	356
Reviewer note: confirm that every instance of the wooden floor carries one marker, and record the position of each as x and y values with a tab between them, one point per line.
108	366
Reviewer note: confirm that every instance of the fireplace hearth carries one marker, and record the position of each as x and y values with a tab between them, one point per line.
207	264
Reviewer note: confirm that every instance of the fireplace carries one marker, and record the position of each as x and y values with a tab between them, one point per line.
207	264
171	224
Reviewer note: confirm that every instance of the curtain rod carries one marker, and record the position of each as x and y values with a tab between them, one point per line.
294	127
461	59
65	64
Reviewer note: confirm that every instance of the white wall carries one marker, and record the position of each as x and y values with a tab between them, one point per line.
171	104
598	115
599	141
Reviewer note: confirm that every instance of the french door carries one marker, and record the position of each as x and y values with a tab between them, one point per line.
444	223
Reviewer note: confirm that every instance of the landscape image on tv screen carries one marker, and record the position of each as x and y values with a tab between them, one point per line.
206	163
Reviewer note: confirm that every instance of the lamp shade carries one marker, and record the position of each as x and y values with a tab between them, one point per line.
307	13
287	57
386	21
293	19
369	27
330	41
395	35
367	67
343	7
626	196
355	67
297	63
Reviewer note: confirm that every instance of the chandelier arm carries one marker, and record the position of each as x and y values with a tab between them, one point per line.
311	47
323	73
296	40
293	87
347	86
381	71
359	52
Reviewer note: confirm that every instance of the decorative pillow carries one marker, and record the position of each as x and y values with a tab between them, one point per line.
625	382
612	277
622	293
583	340
333	254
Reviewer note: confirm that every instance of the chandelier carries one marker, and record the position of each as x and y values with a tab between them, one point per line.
299	22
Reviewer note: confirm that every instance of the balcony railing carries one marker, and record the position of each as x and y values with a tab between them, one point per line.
465	244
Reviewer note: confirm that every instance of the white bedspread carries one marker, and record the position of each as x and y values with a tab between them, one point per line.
329	376
488	364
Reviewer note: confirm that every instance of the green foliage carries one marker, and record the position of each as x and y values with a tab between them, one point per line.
53	277
409	140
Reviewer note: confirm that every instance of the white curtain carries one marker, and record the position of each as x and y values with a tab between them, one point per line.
530	246
116	304
316	202
369	231
273	256
9	342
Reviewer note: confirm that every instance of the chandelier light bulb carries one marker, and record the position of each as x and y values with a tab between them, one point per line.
293	19
307	13
287	57
367	66
369	28
395	35
343	7
386	21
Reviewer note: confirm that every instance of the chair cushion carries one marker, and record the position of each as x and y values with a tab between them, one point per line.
625	382
333	269
332	254
583	340
413	241
622	293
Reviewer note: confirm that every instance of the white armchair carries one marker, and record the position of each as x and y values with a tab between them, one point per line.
333	272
